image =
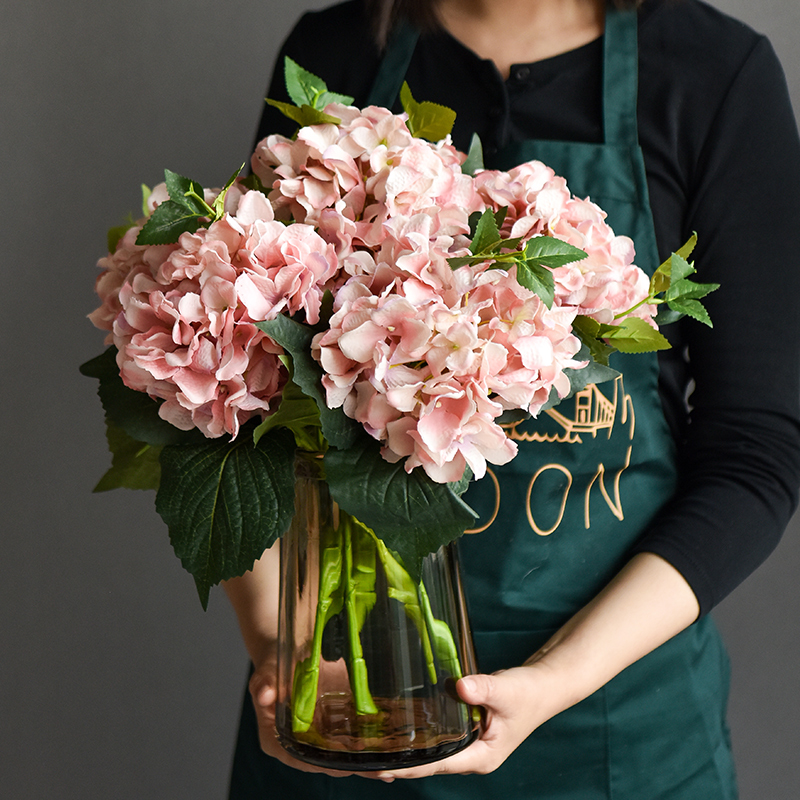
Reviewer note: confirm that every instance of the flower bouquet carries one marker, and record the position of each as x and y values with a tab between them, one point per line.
337	339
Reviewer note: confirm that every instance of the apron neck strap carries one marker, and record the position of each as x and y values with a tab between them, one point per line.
620	76
394	65
620	73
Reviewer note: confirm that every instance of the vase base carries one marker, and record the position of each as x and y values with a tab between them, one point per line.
373	760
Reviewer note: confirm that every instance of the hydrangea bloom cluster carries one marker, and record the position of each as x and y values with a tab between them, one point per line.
424	356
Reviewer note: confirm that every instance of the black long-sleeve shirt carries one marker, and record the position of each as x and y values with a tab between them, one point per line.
722	156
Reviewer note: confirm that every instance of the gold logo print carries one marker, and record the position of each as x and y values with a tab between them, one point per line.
593	412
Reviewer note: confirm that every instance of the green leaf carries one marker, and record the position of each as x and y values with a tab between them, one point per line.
685	289
134	412
146	192
426	120
691	308
305	88
295	338
299	414
687	249
666	316
225	503
301	85
115	234
411	513
551	252
588	331
634	335
474	159
134	465
253	182
219	204
185	192
167	223
537	279
304	115
487	233
333	97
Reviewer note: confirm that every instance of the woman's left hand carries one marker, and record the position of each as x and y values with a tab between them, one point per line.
515	703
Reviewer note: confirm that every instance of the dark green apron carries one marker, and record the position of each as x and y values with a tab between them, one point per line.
558	522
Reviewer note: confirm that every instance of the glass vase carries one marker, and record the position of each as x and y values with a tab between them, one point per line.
367	657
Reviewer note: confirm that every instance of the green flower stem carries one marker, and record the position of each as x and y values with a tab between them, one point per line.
329	603
442	636
356	607
206	207
402	588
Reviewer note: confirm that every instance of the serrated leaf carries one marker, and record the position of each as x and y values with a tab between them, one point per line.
679	268
685	289
225	503
167	223
305	88
691	308
411	513
333	97
537	279
134	412
551	252
134	465
634	335
304	115
487	233
474	159
588	331
182	191
463	261
295	338
426	120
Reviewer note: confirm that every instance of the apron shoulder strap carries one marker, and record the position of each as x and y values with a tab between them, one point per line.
620	77
393	67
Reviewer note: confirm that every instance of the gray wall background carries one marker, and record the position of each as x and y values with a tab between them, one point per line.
113	682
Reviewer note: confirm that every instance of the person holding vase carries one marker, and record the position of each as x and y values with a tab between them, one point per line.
603	545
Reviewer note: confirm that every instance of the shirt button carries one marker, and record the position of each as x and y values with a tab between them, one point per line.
495	112
522	73
490	150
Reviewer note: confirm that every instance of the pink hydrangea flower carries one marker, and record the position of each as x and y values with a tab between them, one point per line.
425	357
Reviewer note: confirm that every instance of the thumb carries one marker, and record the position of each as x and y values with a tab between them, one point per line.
477	690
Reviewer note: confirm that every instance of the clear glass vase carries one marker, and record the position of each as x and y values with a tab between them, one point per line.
367	658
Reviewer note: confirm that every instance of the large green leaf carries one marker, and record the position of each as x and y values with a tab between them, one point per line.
225	503
295	338
134	412
410	512
134	465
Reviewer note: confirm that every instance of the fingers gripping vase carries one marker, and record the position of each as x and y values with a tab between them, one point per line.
367	658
